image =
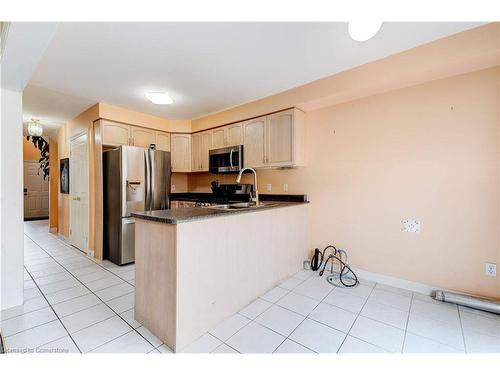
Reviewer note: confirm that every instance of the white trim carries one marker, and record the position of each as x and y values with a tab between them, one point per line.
74	137
399	283
78	135
64	238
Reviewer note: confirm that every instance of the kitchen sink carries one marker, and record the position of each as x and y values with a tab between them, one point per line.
242	206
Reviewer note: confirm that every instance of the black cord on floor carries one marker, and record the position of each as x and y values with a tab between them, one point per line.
345	270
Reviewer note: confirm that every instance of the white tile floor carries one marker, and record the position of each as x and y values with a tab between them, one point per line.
77	304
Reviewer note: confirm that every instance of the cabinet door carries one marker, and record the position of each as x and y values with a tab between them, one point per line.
218	138
163	141
234	135
280	139
181	152
254	148
115	134
205	145
142	137
196	151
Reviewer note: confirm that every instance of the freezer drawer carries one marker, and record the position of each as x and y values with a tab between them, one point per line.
128	241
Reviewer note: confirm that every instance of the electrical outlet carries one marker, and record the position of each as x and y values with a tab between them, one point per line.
285	187
269	187
411	225
172	188
491	269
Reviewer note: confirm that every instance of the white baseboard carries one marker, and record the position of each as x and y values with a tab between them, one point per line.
64	238
397	282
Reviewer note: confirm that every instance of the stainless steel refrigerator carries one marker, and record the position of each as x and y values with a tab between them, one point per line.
134	179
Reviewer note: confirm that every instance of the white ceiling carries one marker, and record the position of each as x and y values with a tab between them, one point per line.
52	108
205	67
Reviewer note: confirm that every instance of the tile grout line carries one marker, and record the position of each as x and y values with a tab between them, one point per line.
91	292
303	320
84	256
58	318
407	321
116	313
253	319
356	319
307	316
462	329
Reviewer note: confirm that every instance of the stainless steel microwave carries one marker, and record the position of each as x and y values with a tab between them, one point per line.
226	160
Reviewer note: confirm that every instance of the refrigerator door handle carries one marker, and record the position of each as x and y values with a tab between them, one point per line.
148	187
152	168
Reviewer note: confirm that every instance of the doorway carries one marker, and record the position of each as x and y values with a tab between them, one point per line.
36	192
78	187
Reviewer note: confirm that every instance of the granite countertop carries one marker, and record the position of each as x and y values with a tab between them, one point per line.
184	215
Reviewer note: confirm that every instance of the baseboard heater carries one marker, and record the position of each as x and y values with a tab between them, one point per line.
469	301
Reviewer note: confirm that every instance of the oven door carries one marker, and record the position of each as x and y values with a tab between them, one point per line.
226	160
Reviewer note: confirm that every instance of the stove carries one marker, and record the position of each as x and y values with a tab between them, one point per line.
215	200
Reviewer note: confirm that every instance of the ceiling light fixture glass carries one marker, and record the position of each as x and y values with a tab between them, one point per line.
35	129
159	97
361	31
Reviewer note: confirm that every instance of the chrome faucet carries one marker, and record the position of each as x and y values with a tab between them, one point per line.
255	198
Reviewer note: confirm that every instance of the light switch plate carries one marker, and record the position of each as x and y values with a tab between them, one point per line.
172	188
411	226
491	269
269	187
285	187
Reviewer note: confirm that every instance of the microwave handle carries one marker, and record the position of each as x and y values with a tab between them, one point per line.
231	157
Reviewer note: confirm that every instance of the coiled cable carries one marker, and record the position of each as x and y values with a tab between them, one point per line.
344	276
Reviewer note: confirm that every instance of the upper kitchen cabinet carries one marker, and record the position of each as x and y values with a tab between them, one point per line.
218	138
115	134
276	140
180	148
200	144
142	137
230	135
285	138
234	134
163	141
254	148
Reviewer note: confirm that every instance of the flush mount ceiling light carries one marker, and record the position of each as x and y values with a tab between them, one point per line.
159	97
361	31
35	129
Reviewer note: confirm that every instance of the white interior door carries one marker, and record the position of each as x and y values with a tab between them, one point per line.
36	191
78	188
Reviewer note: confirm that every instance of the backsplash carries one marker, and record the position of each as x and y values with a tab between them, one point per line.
294	178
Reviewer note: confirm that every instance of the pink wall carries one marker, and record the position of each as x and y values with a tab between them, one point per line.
428	152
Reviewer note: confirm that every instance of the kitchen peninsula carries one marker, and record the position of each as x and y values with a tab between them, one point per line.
197	266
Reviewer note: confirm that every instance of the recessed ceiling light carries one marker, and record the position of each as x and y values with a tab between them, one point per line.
361	31
159	97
